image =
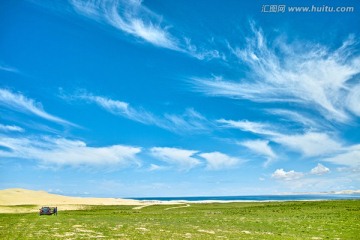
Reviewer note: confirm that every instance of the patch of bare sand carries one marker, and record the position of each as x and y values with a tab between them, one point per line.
17	197
206	231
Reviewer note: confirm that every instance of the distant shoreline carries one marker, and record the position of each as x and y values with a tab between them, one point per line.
255	198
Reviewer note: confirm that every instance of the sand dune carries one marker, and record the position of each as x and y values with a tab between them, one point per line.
17	196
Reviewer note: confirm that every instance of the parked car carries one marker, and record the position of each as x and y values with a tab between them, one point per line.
48	211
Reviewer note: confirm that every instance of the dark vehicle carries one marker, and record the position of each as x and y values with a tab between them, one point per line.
48	211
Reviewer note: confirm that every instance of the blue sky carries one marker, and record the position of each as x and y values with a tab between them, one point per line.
163	98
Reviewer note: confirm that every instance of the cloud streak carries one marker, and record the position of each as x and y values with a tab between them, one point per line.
260	147
219	161
301	119
10	128
249	126
130	17
8	69
133	18
347	156
66	152
189	121
183	159
309	143
309	75
20	103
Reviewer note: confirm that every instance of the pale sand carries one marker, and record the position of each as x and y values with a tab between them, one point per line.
16	196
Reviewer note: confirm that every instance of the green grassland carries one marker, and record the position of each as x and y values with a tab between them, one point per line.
270	220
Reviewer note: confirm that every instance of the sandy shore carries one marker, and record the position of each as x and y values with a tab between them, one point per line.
17	197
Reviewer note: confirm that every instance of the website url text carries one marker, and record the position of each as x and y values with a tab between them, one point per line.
303	9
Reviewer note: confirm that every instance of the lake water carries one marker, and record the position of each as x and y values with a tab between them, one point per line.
255	198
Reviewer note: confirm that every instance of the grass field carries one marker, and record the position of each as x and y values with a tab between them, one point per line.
272	220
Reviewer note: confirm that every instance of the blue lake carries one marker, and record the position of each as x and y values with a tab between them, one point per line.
255	198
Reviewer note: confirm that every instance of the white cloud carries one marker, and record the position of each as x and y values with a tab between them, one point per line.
8	69
353	100
309	144
201	54
181	158
352	170
10	128
133	18
121	108
189	121
261	147
218	161
131	22
18	102
305	120
310	75
248	126
280	174
61	151
320	170
348	156
130	17
316	144
155	167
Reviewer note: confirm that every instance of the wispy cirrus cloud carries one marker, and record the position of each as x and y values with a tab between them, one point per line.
260	147
249	126
8	68
130	17
66	152
135	19
20	103
10	128
121	108
353	100
183	159
219	161
310	75
189	121
302	119
310	144
347	156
